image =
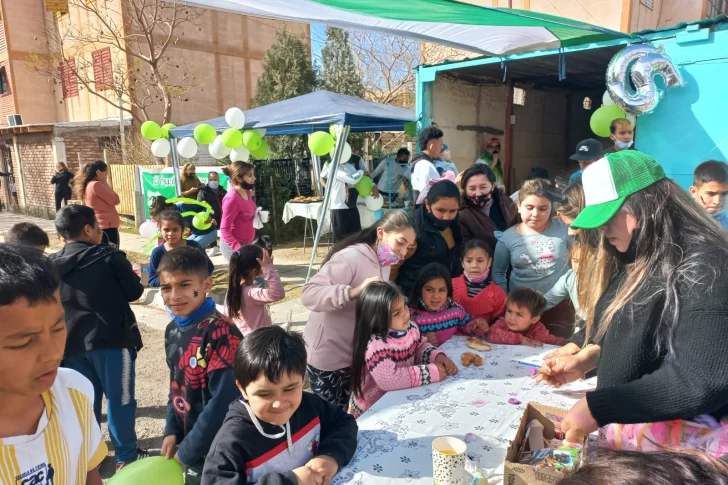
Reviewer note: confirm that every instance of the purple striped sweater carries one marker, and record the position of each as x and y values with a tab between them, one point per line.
398	363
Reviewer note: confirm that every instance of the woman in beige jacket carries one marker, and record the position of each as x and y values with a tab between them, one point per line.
330	295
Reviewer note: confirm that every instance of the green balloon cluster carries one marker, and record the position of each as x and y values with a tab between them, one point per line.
252	141
364	186
204	134
262	151
156	470
151	130
232	138
321	143
603	117
166	128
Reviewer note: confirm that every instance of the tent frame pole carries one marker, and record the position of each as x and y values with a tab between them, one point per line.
175	166
342	133
317	173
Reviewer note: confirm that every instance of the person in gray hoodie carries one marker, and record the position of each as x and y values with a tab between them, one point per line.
351	265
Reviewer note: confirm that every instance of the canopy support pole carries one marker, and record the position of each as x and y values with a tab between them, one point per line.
317	173
175	167
342	133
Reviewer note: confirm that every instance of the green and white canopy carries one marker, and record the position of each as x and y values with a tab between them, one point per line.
486	30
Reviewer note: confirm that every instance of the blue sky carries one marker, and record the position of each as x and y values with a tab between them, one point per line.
318	39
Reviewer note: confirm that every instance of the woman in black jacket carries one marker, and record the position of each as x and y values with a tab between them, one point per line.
62	180
439	238
661	323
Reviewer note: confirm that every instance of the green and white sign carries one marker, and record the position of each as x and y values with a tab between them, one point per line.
155	182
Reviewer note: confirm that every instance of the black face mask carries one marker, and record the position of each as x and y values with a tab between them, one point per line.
478	201
246	185
438	224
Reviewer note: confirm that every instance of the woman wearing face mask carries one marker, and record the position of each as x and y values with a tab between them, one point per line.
485	207
661	323
238	209
439	238
331	295
191	184
213	194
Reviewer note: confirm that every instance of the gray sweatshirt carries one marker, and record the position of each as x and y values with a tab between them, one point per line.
565	287
537	261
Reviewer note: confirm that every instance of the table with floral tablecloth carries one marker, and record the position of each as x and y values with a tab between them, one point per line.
396	434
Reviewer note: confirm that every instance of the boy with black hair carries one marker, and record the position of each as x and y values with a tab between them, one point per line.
710	189
48	433
97	284
423	163
277	434
28	234
200	345
521	324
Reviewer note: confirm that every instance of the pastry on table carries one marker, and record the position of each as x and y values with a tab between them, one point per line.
468	358
477	343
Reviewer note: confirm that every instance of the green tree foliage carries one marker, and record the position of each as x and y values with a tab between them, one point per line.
287	73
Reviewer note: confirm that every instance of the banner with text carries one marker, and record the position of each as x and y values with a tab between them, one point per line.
156	182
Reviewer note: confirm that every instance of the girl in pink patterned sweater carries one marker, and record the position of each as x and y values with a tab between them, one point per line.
433	310
389	352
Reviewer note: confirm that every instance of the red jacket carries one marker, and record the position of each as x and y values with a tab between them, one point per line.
490	303
501	334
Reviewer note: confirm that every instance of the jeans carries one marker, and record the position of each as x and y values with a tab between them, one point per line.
112	372
204	240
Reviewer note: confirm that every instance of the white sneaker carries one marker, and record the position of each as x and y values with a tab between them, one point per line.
213	251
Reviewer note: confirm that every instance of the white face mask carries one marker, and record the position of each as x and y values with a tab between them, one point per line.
213	184
623	145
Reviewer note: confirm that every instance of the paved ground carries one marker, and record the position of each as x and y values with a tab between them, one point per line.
151	370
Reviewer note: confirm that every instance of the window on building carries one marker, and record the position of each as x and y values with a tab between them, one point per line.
69	82
3	81
103	73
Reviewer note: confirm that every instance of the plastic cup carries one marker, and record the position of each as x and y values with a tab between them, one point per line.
448	454
264	216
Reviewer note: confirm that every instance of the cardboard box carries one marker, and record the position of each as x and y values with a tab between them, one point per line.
520	474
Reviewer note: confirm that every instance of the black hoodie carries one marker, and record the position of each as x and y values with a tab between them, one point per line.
240	454
97	284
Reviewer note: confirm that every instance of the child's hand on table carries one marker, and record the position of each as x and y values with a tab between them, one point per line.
531	343
480	326
432	338
307	476
325	465
448	365
169	447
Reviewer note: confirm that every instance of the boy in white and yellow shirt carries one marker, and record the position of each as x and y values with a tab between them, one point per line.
48	433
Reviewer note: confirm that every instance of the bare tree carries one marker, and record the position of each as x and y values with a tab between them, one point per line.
139	34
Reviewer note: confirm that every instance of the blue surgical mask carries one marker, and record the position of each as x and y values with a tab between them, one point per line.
623	145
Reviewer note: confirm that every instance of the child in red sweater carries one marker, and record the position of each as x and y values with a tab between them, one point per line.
521	324
475	290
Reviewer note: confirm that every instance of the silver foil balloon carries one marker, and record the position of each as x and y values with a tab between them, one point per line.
642	63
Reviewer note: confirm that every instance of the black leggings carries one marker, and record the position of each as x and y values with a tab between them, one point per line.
111	237
331	386
62	197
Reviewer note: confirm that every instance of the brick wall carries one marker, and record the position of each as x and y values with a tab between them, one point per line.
7	104
36	153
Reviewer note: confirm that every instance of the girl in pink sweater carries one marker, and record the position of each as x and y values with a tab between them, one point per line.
247	305
389	352
238	209
95	192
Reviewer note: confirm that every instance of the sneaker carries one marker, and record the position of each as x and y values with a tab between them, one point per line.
141	454
214	251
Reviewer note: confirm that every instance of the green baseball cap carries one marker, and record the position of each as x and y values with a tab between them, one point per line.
610	180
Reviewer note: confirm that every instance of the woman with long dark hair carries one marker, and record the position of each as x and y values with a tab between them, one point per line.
62	180
486	208
331	296
238	209
661	324
93	188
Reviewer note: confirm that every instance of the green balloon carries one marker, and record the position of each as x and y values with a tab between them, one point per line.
151	130
320	143
166	128
156	470
364	186
262	151
332	131
200	221
232	138
410	128
603	117
204	134
252	140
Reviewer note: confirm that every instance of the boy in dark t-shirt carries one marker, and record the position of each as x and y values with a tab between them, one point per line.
200	344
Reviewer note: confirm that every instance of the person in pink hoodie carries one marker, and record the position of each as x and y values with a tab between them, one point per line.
95	192
247	305
331	296
389	351
238	209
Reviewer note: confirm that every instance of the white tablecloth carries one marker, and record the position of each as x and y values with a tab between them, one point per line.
396	434
312	210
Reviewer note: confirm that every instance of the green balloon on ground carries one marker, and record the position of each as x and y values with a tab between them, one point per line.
200	223
262	151
156	470
364	186
251	140
166	128
603	117
204	134
232	138
320	143
151	130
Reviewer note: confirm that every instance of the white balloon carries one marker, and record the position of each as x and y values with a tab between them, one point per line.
161	147
148	229
218	149
607	99
344	156
239	154
187	147
261	131
235	118
374	204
